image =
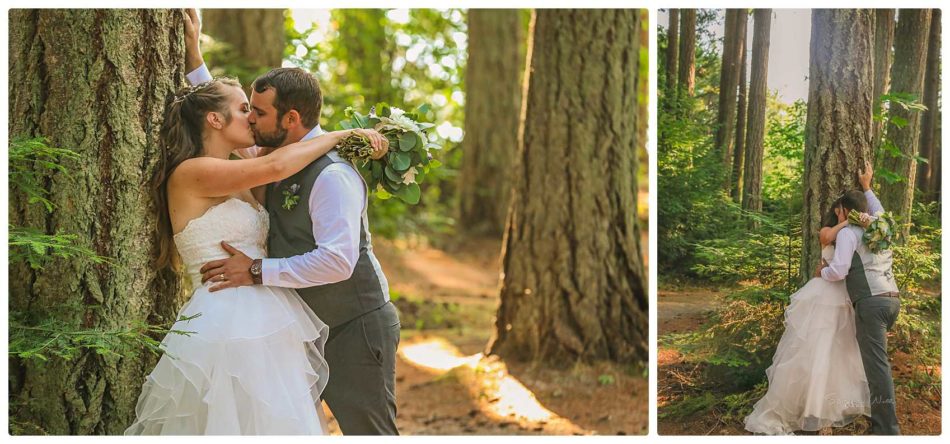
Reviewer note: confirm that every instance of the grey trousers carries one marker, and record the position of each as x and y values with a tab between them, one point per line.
361	355
874	316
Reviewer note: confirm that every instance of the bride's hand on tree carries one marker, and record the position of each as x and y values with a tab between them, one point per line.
865	176
232	272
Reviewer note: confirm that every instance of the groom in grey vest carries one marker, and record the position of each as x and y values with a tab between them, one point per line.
873	292
319	244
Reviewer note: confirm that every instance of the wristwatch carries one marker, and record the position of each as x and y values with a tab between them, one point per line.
256	271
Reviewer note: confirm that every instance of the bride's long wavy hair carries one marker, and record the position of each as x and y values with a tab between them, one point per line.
180	139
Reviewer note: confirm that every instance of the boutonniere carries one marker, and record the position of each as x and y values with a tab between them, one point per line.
290	197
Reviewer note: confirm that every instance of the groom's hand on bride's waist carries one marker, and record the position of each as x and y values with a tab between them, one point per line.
232	272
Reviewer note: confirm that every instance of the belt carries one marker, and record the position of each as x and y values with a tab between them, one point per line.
890	294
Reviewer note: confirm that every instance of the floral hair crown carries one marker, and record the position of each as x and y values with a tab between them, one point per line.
190	90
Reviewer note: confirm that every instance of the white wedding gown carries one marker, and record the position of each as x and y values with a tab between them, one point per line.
816	379
254	364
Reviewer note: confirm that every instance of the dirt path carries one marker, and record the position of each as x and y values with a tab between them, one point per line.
447	301
685	310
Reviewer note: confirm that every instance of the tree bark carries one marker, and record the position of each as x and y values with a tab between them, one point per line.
93	81
492	116
883	46
907	76
687	63
738	158
755	130
928	125
254	37
838	126
672	50
728	82
574	283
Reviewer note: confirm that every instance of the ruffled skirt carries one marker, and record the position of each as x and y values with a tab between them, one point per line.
817	378
253	365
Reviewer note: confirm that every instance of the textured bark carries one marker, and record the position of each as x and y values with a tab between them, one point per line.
728	82
738	155
672	50
838	126
492	116
928	124
574	283
883	56
755	129
255	38
907	76
686	81
93	81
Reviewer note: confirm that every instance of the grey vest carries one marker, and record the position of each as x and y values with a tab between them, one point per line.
870	274
291	234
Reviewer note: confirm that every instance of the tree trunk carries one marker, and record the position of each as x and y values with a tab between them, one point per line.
738	158
93	81
254	40
755	130
838	126
728	82
574	283
687	62
907	76
672	50
928	124
366	51
883	47
492	116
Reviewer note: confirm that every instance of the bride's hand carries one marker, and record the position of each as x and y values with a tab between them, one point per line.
379	142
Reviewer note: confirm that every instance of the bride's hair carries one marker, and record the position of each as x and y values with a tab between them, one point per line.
180	139
831	219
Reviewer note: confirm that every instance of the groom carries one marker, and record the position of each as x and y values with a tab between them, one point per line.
874	294
319	243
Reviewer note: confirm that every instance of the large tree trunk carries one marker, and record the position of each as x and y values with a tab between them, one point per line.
907	76
755	130
728	81
366	50
738	157
687	63
492	116
883	50
838	127
254	40
574	283
93	81
928	124
672	50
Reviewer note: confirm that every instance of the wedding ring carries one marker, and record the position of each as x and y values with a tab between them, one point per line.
221	277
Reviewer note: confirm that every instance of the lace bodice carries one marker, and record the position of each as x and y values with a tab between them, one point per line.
234	221
828	253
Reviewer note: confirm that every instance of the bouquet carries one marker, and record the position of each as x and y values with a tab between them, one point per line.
401	171
880	230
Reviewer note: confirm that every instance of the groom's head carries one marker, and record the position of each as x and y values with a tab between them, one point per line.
285	106
853	200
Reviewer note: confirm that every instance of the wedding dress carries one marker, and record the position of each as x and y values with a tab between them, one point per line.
254	363
816	379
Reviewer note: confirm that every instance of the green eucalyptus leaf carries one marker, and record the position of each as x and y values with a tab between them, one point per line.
400	162
407	141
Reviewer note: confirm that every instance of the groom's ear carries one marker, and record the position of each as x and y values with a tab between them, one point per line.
291	119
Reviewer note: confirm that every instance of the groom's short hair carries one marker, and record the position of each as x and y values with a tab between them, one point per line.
295	89
854	200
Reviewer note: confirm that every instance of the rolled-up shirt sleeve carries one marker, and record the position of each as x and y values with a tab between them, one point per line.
845	245
201	74
874	205
336	209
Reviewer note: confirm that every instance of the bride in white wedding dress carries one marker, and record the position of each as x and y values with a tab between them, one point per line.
816	379
254	363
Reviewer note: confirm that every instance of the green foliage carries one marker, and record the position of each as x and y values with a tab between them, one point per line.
37	248
884	112
31	160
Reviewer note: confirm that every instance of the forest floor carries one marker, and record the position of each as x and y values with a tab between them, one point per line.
685	309
447	298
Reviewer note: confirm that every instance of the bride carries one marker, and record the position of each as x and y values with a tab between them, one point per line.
816	379
253	363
